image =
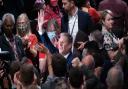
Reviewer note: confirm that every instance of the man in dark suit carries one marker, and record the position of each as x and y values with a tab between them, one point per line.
75	19
8	41
65	46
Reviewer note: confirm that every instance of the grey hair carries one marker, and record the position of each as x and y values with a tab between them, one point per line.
55	24
10	15
69	37
115	77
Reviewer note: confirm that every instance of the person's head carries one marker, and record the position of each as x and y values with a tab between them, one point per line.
84	3
115	78
59	65
23	24
76	77
53	2
15	66
53	28
65	43
97	36
26	74
107	19
91	47
69	5
8	23
89	62
39	4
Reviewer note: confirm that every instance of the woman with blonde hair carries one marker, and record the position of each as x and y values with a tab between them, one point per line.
30	41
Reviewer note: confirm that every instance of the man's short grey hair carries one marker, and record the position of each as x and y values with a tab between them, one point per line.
69	37
115	77
10	15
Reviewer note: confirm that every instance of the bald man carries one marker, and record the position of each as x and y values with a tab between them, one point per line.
114	78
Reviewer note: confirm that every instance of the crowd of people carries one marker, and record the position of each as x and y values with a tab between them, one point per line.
63	44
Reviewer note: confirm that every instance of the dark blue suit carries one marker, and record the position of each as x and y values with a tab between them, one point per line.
84	22
69	59
46	41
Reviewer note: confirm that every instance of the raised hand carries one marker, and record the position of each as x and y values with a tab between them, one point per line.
41	20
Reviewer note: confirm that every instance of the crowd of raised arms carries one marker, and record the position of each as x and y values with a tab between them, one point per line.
63	44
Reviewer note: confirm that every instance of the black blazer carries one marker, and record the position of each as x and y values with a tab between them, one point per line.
5	46
84	22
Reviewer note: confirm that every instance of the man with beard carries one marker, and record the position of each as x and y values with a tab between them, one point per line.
75	21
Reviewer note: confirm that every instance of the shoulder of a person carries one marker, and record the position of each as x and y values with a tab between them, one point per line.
33	36
1	36
17	38
83	14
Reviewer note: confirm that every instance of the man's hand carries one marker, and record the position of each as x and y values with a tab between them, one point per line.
76	62
82	44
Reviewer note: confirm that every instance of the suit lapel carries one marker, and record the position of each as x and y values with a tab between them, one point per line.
5	41
66	23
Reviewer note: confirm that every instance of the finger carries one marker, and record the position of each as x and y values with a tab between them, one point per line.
45	21
81	47
1	71
80	42
38	15
1	74
1	63
42	12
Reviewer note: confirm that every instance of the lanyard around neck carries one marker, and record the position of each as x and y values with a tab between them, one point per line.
73	26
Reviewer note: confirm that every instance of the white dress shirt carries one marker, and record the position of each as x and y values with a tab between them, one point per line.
73	25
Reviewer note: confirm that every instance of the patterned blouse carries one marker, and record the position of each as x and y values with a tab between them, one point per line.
110	40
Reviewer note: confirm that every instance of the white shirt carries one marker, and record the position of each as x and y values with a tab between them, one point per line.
66	56
73	25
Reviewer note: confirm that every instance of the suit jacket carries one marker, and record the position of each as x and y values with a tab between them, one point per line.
46	41
69	59
84	22
5	46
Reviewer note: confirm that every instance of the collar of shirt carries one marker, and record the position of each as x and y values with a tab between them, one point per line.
66	56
